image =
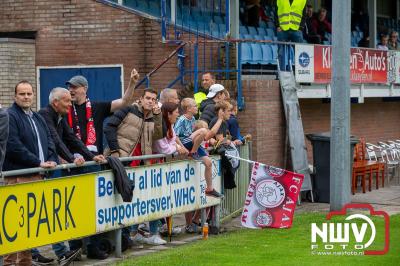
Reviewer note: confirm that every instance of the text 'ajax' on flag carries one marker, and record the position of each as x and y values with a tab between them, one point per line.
271	197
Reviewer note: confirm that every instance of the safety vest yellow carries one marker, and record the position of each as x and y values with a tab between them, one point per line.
199	97
290	15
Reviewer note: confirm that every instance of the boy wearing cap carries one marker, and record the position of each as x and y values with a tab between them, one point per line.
207	107
86	118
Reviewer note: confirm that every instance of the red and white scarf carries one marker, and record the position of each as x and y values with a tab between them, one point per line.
90	130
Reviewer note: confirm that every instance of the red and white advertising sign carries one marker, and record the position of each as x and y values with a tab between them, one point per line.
366	65
271	197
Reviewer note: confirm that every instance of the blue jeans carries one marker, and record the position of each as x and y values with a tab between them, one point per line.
153	227
285	52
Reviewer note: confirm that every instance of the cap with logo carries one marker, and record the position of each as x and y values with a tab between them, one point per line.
77	81
214	89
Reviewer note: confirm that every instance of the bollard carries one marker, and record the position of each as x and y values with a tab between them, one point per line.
203	216
117	241
216	217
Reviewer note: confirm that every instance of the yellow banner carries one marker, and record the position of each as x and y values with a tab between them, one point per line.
44	212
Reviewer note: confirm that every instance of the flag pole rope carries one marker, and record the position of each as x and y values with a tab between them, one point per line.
301	171
239	158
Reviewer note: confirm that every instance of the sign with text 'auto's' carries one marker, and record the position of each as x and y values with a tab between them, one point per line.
314	65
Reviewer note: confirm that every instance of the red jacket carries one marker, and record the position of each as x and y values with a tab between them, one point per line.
321	27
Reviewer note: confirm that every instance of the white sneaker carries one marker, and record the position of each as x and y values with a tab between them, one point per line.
175	230
138	238
155	240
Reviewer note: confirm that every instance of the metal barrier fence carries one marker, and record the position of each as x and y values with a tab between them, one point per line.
96	189
234	198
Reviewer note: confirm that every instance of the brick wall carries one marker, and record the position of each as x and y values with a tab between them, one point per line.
374	119
17	62
88	32
263	118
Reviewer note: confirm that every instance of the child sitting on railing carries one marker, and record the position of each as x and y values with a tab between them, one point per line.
192	139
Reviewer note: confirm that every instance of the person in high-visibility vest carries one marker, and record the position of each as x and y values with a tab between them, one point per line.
207	80
289	21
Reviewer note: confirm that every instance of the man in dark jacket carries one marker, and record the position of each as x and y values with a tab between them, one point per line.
207	108
68	146
29	145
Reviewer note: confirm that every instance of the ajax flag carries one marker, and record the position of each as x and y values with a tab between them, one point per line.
271	197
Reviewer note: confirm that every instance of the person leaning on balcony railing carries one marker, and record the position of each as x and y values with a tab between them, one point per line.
321	25
309	34
393	43
289	22
29	145
383	44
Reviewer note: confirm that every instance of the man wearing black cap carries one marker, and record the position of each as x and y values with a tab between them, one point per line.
86	118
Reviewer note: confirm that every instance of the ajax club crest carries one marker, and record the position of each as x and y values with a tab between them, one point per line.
275	172
270	193
263	218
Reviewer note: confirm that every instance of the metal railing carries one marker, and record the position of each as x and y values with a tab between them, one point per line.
234	198
72	165
117	231
232	203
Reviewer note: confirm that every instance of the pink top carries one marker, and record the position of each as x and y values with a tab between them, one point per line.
165	145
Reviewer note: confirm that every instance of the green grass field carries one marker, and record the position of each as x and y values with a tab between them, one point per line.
272	247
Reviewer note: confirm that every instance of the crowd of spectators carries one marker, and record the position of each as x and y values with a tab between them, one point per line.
316	27
70	130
